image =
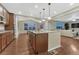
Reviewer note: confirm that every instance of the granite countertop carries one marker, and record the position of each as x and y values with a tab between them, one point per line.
39	32
1	32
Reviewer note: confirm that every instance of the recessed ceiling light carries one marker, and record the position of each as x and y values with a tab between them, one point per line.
36	6
49	18
40	21
74	20
71	4
43	20
19	12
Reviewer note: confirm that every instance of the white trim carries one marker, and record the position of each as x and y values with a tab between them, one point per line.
54	48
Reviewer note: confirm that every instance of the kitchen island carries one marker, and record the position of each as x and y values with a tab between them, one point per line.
44	41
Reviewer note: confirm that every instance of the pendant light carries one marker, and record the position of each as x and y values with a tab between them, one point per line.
40	17
43	14
49	18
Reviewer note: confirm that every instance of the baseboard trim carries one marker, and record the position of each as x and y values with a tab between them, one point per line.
54	48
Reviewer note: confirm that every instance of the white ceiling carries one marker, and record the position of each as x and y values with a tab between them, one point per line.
28	9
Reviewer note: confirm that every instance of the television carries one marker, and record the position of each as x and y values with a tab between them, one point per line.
66	26
74	25
77	25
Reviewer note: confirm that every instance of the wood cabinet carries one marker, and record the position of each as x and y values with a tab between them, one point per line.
10	21
32	40
9	18
39	42
4	43
1	10
0	42
6	15
5	39
9	37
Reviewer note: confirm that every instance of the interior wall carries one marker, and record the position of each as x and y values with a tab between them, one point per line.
19	24
52	25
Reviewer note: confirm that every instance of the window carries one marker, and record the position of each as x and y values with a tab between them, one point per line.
25	26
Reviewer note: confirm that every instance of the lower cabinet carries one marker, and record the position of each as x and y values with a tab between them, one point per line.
0	42
9	37
5	39
39	42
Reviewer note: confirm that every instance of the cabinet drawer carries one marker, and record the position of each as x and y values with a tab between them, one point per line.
41	42
0	42
4	42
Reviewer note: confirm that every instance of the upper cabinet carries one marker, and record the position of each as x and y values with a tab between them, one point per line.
4	13
10	21
6	16
1	10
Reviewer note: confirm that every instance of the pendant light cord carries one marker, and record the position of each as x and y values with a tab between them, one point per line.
49	8
43	12
40	15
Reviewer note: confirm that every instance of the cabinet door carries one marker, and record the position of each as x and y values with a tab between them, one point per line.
4	43
41	43
11	21
11	36
30	38
6	15
1	11
0	42
8	37
33	41
7	18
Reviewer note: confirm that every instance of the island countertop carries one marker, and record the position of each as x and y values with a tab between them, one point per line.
39	32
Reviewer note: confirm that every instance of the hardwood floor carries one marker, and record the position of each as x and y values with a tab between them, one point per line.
69	46
21	46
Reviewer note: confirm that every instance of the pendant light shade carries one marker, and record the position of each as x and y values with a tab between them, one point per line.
43	14
40	18
49	18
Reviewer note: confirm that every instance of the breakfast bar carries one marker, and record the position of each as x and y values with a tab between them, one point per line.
44	41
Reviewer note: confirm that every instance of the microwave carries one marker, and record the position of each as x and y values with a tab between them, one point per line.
2	19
